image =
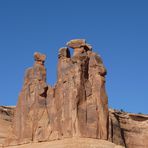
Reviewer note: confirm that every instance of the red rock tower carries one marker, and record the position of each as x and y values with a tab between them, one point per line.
77	106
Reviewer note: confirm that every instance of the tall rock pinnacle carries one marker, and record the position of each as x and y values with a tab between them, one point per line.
74	110
77	106
81	91
31	103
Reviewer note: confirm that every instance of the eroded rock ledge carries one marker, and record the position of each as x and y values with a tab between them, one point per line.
123	130
76	107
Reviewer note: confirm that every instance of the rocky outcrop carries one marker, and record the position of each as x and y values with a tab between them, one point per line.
31	107
75	108
80	104
124	129
128	129
6	116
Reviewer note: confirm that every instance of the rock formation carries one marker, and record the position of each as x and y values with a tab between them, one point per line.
31	106
80	104
76	107
6	117
124	129
130	130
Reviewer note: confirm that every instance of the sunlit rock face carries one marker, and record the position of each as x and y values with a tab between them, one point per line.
130	130
73	113
6	117
31	107
80	104
77	106
126	129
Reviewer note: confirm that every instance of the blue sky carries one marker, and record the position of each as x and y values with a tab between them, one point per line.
118	31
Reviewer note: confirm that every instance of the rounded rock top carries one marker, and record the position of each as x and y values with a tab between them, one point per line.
39	57
76	43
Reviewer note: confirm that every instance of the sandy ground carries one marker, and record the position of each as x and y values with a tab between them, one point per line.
71	143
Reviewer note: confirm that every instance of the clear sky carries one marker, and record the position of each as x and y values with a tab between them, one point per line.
117	29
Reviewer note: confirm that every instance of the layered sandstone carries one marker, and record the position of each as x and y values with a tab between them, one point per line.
75	108
31	106
6	116
80	103
128	129
124	129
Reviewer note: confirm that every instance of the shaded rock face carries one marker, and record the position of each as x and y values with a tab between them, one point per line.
77	106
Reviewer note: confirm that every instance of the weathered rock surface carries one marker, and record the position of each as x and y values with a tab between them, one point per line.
125	128
128	129
31	113
76	107
80	104
6	116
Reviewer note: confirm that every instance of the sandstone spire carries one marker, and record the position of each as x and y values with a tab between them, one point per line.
80	101
77	106
31	104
